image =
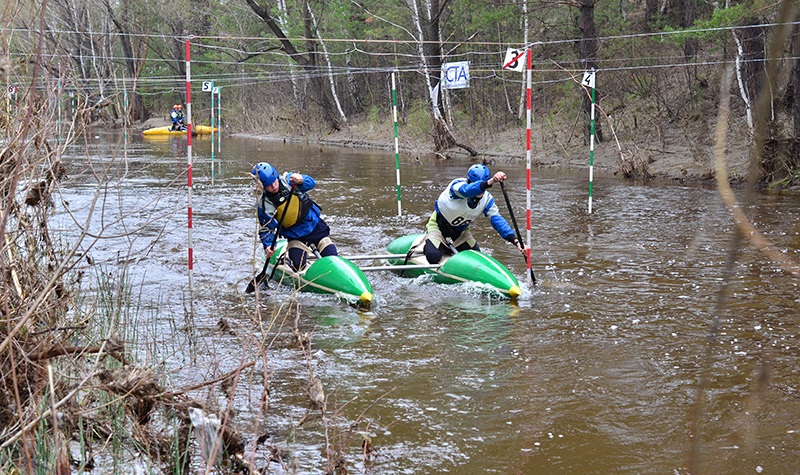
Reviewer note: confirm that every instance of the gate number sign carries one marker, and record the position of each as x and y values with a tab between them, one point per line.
588	79
514	60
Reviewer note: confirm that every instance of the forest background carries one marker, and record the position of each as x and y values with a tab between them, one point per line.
322	71
681	85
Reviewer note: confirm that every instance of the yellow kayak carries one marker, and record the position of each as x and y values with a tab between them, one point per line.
167	130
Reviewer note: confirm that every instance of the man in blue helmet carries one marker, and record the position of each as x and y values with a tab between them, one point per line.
458	205
284	199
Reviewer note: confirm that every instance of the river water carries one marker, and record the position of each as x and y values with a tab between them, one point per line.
594	370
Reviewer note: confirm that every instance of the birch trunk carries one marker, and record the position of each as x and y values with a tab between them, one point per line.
330	68
750	66
429	46
523	103
299	98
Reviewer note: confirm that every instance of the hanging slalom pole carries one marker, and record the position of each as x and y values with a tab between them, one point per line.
189	165
528	170
396	145
589	81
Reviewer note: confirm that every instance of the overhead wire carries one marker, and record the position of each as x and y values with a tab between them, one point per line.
192	37
243	78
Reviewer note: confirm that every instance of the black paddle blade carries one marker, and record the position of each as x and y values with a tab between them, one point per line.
251	286
258	280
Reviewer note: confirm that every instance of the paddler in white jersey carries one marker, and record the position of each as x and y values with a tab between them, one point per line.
459	204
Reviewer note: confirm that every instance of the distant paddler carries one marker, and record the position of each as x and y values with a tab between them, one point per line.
177	117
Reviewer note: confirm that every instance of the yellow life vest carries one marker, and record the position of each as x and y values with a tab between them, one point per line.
293	207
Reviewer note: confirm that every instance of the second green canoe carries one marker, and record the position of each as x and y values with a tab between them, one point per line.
464	266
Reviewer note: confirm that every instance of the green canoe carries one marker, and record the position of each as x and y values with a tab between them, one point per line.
465	266
327	275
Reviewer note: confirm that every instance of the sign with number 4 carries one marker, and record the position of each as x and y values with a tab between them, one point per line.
588	78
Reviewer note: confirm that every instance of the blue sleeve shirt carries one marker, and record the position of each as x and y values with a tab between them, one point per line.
268	221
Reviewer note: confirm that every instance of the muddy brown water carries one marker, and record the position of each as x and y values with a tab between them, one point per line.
594	370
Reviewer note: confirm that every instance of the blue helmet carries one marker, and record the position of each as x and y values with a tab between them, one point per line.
266	173
478	172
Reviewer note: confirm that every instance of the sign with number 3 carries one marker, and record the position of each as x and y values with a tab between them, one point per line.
514	60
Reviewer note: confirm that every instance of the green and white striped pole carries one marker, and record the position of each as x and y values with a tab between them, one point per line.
396	145
589	81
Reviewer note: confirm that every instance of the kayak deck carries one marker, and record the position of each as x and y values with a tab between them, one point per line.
464	266
327	275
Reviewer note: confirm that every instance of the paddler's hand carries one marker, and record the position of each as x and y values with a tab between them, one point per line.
296	179
497	178
520	246
269	251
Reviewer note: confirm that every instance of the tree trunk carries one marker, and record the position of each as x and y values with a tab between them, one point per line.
426	19
136	110
650	9
352	87
334	96
324	95
307	61
796	89
750	64
587	51
689	16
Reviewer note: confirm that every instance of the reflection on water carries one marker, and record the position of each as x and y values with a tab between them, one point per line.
595	370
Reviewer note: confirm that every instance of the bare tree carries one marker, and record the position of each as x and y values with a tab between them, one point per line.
750	56
587	53
309	60
133	48
796	88
426	16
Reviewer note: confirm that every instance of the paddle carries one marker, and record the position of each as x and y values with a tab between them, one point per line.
516	228
251	286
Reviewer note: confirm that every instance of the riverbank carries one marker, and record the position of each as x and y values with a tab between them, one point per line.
671	154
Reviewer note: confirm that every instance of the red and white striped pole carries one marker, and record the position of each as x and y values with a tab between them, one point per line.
528	164
189	155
